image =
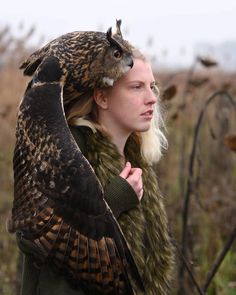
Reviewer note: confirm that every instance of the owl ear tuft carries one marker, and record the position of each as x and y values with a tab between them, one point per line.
118	30
112	41
109	33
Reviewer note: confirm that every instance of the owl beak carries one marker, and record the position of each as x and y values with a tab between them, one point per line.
127	63
130	61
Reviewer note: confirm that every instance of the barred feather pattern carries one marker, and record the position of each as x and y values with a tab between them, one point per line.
86	58
145	227
59	218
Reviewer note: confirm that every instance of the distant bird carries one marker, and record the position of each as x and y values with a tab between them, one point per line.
59	206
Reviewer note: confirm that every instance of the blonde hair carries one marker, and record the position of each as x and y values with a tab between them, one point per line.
85	113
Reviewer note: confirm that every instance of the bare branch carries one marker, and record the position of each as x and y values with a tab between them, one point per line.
219	260
184	260
189	189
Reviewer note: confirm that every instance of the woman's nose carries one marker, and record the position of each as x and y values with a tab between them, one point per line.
151	97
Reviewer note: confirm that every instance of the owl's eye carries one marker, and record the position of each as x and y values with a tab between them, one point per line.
117	53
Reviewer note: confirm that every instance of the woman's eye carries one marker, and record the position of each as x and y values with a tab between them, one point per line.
136	86
117	54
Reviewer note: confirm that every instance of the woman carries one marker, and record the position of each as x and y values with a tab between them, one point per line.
118	131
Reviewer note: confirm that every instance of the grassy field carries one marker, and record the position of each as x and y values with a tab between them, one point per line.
211	206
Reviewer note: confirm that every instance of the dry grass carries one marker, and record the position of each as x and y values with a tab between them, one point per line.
212	203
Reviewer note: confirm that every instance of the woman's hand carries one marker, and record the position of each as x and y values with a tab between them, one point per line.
134	178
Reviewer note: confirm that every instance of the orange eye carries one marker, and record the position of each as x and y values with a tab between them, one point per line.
117	54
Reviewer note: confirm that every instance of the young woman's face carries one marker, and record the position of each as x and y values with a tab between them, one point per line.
131	100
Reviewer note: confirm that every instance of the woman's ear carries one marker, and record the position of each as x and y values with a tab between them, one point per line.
100	98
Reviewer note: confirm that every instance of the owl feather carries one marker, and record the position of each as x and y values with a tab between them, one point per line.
88	59
59	207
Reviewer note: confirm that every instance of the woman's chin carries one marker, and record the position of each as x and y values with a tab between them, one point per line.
144	127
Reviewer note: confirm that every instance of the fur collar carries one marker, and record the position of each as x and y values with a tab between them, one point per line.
145	227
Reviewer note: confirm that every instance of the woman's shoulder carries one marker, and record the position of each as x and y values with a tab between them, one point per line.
79	134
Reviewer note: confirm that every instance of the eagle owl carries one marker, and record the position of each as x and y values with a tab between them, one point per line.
59	207
87	59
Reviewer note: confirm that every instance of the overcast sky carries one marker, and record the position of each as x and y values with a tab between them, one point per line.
170	29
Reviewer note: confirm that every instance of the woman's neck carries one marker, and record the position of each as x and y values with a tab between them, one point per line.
119	141
118	135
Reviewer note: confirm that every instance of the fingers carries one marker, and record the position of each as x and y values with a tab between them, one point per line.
126	171
137	172
134	178
140	195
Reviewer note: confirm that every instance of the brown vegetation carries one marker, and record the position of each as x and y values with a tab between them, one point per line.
197	174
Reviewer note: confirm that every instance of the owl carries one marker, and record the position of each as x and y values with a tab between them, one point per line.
88	60
59	208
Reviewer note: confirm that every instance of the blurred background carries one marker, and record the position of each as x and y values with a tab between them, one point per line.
192	47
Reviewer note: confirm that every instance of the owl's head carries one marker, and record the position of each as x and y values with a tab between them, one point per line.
113	61
93	60
88	60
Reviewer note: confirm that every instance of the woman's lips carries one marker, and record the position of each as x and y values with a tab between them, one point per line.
147	114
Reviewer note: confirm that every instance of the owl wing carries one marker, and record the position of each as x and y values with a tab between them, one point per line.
31	64
59	206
